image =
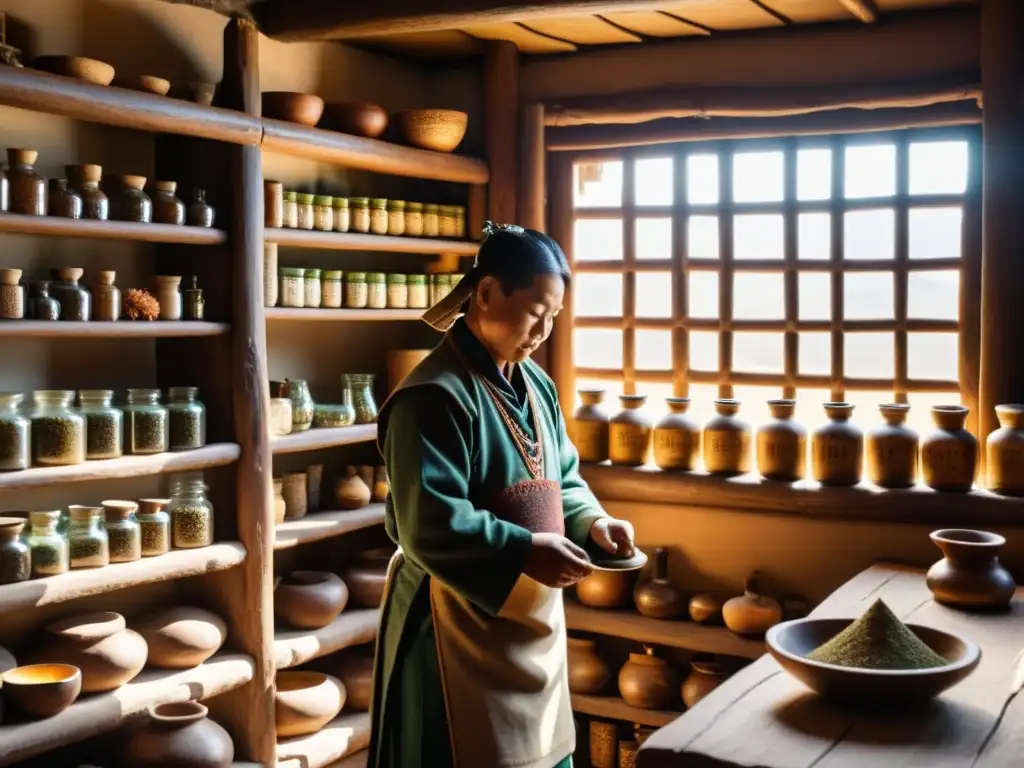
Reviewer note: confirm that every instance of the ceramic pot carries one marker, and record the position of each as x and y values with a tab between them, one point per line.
658	598
182	637
355	670
588	674
366	578
588	429
100	644
727	441
781	444
970	575
305	702
179	734
604	744
309	599
351	492
837	448
381	487
676	437
704	677
648	682
949	455
1004	452
891	449
279	503
751	613
41	690
629	433
606	589
705	609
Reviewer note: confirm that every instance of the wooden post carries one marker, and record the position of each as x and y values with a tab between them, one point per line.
501	124
531	205
1002	70
560	343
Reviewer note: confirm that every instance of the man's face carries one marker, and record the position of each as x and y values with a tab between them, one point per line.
514	326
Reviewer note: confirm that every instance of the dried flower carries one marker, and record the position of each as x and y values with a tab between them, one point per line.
140	304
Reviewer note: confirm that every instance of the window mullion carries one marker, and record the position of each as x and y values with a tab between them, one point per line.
680	298
629	274
789	225
726	254
836	257
900	287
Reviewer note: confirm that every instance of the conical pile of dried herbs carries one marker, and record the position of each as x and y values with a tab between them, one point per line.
878	640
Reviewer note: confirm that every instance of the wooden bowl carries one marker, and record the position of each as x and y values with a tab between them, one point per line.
791	641
79	67
441	130
357	118
301	108
146	84
304	702
42	690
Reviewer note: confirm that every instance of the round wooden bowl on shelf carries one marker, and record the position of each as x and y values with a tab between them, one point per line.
42	690
78	67
358	118
790	643
440	130
302	108
145	83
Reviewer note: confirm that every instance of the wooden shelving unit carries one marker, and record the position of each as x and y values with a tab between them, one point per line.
614	708
122	329
355	241
319	439
54	226
341	315
346	735
352	627
325	524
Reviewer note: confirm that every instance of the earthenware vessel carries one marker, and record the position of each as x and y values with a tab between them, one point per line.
706	609
179	734
440	130
629	433
305	702
676	437
357	118
949	455
355	670
589	427
182	637
751	613
588	673
704	677
727	441
1004	452
381	486
41	690
295	494
352	492
970	574
781	444
309	599
892	449
648	682
658	598
100	644
365	579
837	448
606	589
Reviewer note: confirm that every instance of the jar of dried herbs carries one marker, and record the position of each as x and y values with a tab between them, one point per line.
58	433
146	428
49	549
62	201
155	526
431	220
200	212
132	203
356	290
377	290
85	180
193	304
446	221
417	289
15	559
396	217
28	187
123	531
398	292
379	216
323	213
291	210
302	405
341	214
293	287
331	289
414	219
168	208
191	514
304	206
311	289
361	387
433	289
15	440
87	538
187	419
359	212
75	300
103	424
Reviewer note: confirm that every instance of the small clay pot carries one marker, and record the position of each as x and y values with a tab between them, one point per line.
648	682
629	433
949	455
357	118
355	670
837	448
588	673
588	429
606	589
726	441
305	702
309	599
182	637
751	614
677	437
366	579
41	690
179	734
658	598
100	644
781	444
892	449
1005	452
705	609
381	487
704	677
352	492
970	575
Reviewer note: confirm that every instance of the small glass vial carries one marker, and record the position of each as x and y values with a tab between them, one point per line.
193	304
460	220
15	440
293	288
15	557
145	423
290	210
155	526
431	220
200	213
75	299
341	214
58	433
191	514
414	219
85	180
377	290
398	292
311	289
273	204
88	544
48	547
304	206
104	424
323	213
416	286
331	292
356	290
446	221
359	210
28	188
396	217
379	216
124	535
62	201
186	417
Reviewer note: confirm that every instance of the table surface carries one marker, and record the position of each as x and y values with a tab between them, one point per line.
763	718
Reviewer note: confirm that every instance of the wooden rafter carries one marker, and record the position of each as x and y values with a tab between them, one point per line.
865	10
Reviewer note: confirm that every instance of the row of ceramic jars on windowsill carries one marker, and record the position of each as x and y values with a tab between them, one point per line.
948	457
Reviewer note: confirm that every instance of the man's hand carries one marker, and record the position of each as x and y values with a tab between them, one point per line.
556	562
613	536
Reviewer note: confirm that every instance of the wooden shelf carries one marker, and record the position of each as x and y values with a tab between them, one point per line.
614	708
121	329
324	525
355	241
96	714
57	226
352	627
674	634
72	585
345	735
319	439
341	315
358	760
215	455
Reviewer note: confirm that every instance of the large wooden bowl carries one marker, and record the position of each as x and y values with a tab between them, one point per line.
357	118
301	108
79	67
441	130
791	641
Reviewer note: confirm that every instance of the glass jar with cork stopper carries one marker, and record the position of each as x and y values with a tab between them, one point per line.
155	526
191	513
123	532
58	433
186	418
49	549
88	543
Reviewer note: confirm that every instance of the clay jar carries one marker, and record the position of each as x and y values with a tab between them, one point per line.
182	637
837	448
658	598
589	427
704	677
588	674
309	599
100	644
949	455
381	486
705	609
751	614
970	575
167	208
726	441
781	444
355	670
647	682
106	297
629	433
352	492
1004	451
366	579
305	702
179	734
891	449
676	437
606	589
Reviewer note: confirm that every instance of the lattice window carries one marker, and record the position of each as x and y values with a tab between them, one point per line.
812	267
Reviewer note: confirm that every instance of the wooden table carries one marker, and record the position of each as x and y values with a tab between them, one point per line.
763	718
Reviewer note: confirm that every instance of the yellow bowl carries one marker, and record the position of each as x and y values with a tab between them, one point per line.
42	690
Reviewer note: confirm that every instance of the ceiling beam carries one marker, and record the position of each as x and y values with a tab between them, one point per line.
865	10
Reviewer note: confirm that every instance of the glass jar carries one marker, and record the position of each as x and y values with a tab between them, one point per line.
104	424
398	292
87	538
460	220
356	290
186	417
446	221
323	213
273	204
304	206
58	433
396	217
200	213
361	387
444	286
15	558
359	210
62	201
167	207
414	219
311	289
270	286
193	305
377	290
85	180
75	300
280	416
154	526
293	287
15	443
12	295
132	203
431	220
291	210
123	532
42	305
191	514
379	216
302	404
107	304
341	214
331	289
433	289
416	286
145	423
28	188
166	288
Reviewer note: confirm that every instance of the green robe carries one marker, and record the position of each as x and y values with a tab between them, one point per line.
446	449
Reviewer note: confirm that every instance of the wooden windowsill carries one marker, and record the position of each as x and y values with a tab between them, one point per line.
754	494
